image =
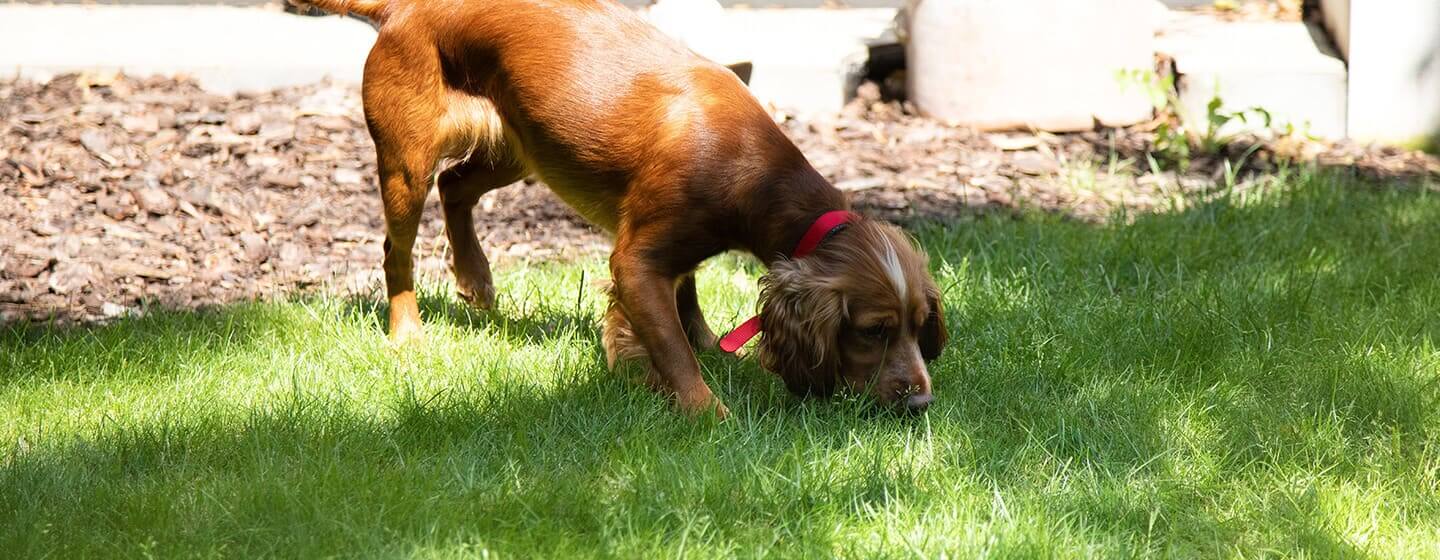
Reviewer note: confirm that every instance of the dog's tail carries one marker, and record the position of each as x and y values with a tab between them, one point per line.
374	10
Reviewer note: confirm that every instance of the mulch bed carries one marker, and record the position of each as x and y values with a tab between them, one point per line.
119	193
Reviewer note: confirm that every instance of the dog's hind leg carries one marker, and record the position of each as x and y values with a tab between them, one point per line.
460	188
404	104
404	200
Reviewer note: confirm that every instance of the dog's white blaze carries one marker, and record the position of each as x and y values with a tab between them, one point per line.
918	362
891	261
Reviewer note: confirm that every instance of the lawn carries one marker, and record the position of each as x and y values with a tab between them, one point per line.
1252	376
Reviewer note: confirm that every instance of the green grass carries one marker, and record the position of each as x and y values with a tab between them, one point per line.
1247	377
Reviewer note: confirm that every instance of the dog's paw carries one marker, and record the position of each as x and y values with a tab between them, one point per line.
480	297
405	327
715	409
702	406
406	334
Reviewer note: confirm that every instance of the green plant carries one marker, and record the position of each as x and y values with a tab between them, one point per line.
1177	143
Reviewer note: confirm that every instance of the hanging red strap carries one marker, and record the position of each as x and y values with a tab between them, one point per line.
733	340
821	229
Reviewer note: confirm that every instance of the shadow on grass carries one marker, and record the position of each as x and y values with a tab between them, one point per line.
1116	381
522	328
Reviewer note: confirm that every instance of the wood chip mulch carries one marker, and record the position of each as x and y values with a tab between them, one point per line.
118	194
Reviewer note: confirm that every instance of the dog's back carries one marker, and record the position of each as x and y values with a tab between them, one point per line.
583	93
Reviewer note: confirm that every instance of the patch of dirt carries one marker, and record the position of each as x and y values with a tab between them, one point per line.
117	193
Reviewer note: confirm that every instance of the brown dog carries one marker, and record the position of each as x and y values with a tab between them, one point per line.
665	150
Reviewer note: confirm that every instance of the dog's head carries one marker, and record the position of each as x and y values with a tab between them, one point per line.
861	312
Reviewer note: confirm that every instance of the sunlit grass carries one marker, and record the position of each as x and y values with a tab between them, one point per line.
1244	378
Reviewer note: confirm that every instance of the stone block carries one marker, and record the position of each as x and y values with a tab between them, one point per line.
1394	70
806	60
1044	64
802	60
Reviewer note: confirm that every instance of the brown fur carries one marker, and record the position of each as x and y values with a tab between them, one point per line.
815	309
665	150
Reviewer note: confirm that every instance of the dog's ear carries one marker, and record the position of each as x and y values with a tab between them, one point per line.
801	312
933	334
742	70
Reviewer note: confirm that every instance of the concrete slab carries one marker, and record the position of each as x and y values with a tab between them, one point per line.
805	60
225	48
1285	68
1395	71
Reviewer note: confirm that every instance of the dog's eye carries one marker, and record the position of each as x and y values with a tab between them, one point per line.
876	332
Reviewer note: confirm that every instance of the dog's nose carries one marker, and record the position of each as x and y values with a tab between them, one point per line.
915	404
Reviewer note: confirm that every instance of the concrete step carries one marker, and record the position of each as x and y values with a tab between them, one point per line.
226	48
804	60
1286	68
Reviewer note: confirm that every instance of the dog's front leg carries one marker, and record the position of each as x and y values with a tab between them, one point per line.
460	189
647	297
692	317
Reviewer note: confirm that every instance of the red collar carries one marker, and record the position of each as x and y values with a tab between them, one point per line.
825	225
